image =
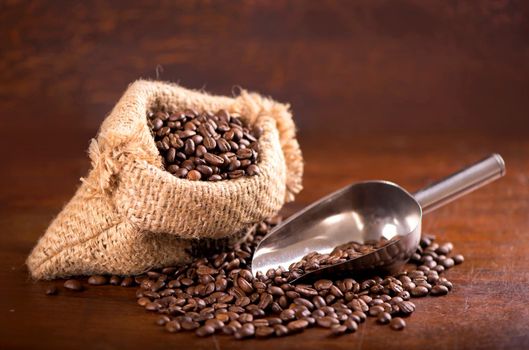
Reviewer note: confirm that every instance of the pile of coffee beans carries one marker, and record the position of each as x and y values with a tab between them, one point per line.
342	253
205	146
219	294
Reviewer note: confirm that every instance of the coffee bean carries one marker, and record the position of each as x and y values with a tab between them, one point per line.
439	290
173	326
306	291
236	174
297	326
190	325
253	170
383	318
205	331
51	290
351	325
246	331
448	263
458	259
322	284
375	310
127	282
74	285
264	332
276	291
419	291
194	175
326	321
338	329
152	306
205	170
245	285
244	153
97	280
406	307
397	324
115	280
287	315
162	320
213	159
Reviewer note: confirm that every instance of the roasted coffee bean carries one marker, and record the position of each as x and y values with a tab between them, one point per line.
194	175
152	306
245	318
265	300
264	332
287	315
142	301
448	263
213	159
173	326
162	320
74	285
190	325
397	324
97	280
439	290
338	329
247	330
245	285
244	153
297	326
351	325
209	143
306	291
127	282
115	280
280	330
306	303
205	331
322	284
419	291
406	307
51	290
383	318
236	174
205	170
253	170
375	310
326	321
458	259
276	291
216	324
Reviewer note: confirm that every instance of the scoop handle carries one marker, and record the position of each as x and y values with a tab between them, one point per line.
460	183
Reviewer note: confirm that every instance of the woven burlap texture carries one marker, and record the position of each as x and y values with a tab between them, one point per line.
130	215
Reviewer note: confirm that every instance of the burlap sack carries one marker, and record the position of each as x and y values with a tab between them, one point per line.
130	215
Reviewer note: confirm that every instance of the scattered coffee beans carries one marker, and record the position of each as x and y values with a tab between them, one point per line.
219	294
205	146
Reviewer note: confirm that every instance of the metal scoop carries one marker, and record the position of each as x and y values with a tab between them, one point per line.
365	212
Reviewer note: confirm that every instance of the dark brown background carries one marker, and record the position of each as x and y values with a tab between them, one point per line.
401	90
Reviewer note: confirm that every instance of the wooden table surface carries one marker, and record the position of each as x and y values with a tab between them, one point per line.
406	91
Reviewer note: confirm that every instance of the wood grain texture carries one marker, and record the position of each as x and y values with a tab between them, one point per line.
401	90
